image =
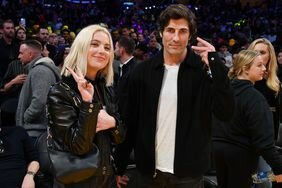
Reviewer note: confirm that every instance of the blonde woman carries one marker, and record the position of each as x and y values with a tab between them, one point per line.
269	86
77	124
239	143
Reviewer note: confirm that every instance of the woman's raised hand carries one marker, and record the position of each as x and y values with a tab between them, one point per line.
85	88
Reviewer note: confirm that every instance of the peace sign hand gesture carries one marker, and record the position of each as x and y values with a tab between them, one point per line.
202	49
85	88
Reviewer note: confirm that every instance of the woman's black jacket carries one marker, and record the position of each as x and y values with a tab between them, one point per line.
73	122
251	127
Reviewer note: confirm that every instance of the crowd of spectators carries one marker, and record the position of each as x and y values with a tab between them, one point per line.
228	24
226	21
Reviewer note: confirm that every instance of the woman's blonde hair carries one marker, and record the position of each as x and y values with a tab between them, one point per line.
272	80
243	61
77	56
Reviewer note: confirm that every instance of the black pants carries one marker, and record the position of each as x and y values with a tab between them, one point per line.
42	180
107	181
167	180
234	165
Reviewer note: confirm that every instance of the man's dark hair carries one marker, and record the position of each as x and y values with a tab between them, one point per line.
65	30
127	43
7	21
34	44
177	11
42	27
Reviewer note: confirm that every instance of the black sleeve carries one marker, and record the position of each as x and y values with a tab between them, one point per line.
124	149
222	92
72	121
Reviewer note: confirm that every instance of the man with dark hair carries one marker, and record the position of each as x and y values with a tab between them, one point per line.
43	34
124	49
8	47
171	99
66	34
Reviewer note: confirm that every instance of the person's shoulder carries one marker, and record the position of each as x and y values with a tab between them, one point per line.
254	96
66	86
44	65
59	87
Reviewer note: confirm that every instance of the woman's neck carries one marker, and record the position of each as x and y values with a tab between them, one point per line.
91	75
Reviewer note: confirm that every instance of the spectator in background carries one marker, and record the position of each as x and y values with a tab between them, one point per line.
115	35
20	34
62	56
124	49
12	84
65	33
31	109
140	39
279	61
269	87
42	73
53	39
45	52
133	35
225	54
43	35
239	143
141	52
18	158
8	47
153	46
125	31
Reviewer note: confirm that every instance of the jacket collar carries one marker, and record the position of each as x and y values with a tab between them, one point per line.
30	64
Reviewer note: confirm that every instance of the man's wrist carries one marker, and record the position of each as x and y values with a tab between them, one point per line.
30	173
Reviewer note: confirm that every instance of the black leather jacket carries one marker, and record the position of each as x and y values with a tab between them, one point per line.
73	122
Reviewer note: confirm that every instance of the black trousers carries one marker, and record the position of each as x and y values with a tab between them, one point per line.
168	180
234	165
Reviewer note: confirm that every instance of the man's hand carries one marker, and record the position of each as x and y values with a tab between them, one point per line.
278	178
122	180
202	49
19	79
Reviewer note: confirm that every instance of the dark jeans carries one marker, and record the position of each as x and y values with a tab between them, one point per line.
94	182
42	180
168	180
234	165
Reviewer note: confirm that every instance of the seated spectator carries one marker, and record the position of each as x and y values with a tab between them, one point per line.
140	53
18	158
11	84
225	54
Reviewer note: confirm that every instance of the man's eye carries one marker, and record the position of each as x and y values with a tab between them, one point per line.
170	30
183	31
